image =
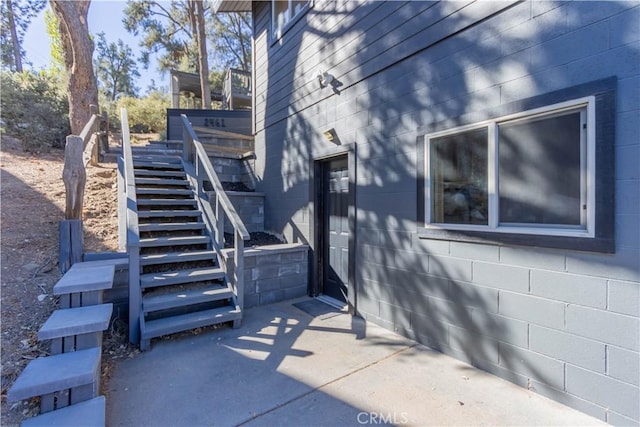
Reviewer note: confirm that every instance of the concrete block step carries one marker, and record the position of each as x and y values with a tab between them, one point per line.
154	280
76	321
168	213
173	226
164	191
148	164
162	181
170	325
159	173
171	257
153	242
88	413
183	298
166	202
82	277
46	375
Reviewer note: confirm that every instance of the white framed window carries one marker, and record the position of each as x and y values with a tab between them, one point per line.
283	12
527	173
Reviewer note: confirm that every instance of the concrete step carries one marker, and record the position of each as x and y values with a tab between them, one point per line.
177	299
46	375
76	321
88	413
171	257
153	242
168	213
171	226
159	173
153	280
164	191
170	325
85	278
166	202
162	181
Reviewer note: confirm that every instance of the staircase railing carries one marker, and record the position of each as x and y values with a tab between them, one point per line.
128	208
195	155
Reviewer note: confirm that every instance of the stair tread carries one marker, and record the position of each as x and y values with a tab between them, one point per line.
138	164
156	157
161	181
184	297
158	173
84	279
151	280
171	226
89	413
169	325
172	241
171	191
177	202
49	374
167	213
170	257
75	321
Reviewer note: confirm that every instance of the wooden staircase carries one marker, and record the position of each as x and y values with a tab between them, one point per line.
182	283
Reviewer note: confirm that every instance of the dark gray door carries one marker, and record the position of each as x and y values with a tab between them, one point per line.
336	228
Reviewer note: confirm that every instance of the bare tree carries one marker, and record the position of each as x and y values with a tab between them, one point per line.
77	46
203	61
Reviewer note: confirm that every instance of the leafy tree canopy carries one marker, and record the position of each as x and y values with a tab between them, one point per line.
230	35
168	31
116	68
15	17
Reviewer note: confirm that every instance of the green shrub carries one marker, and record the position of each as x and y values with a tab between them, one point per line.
34	109
147	114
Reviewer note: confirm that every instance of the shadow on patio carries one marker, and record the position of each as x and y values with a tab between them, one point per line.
285	367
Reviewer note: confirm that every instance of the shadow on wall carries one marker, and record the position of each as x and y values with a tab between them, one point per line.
476	65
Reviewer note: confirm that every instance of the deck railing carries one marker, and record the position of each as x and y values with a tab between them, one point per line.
201	169
79	151
237	83
128	208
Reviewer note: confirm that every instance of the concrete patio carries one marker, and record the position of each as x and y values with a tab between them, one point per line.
285	366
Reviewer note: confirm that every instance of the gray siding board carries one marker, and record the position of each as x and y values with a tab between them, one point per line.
545	313
399	41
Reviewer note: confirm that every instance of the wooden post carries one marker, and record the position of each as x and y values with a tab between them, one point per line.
238	262
71	247
104	128
74	177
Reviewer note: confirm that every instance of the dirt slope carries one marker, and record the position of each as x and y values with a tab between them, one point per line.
32	203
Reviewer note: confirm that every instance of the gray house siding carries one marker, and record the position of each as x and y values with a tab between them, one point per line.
564	323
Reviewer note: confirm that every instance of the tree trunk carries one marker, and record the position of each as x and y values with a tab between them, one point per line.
77	46
203	61
17	51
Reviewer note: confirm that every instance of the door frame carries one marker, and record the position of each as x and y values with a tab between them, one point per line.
318	164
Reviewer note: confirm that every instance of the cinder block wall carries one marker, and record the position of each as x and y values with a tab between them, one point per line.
564	323
272	273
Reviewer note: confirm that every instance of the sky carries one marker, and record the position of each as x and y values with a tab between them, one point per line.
104	15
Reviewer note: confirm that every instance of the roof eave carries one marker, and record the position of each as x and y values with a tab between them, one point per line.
231	6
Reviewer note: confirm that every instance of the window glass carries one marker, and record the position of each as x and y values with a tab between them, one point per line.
280	14
283	12
459	178
540	170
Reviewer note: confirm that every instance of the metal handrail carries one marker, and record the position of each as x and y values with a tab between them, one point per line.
133	232
202	156
193	152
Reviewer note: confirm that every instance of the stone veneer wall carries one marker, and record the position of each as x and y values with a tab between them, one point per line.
272	273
